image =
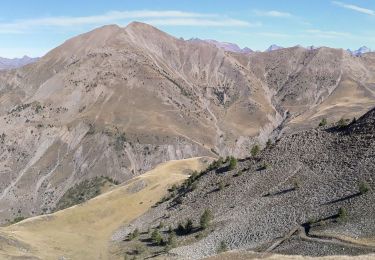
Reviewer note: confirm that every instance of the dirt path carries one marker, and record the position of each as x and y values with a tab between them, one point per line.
321	238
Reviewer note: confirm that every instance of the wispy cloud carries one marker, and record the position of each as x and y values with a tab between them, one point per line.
202	22
327	34
355	8
274	35
273	13
167	17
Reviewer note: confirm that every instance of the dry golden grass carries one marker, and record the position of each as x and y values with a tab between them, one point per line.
84	231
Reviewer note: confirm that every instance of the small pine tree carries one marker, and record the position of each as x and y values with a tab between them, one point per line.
206	219
172	241
296	184
188	226
156	237
134	234
264	166
222	247
221	185
232	163
341	123
269	143
364	187
255	150
140	249
343	214
323	122
180	230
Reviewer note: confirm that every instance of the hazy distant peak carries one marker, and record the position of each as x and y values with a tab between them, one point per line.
274	47
14	63
227	46
360	51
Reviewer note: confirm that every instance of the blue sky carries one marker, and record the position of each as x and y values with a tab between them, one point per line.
35	27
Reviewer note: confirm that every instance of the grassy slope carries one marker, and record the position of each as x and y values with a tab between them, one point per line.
83	231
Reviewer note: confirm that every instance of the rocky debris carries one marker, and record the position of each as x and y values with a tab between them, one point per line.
309	193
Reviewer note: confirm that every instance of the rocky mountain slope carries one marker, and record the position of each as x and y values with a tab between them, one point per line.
227	46
6	64
115	102
310	193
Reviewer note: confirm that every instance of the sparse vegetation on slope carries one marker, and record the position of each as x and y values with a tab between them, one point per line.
310	197
84	191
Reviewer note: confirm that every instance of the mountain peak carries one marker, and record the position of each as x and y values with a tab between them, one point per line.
274	47
362	50
227	46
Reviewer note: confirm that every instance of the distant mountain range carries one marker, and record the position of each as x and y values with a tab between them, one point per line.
227	46
16	62
232	47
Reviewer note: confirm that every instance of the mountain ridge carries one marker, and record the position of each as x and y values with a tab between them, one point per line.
14	63
114	102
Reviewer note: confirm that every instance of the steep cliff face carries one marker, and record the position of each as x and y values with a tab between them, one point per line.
117	101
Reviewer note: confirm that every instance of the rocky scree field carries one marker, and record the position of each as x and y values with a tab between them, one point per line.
309	193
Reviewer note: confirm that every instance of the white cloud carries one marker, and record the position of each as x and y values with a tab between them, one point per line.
274	35
354	8
273	13
167	17
202	22
327	34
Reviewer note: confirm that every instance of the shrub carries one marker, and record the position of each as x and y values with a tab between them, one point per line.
188	226
323	122
172	241
222	247
342	123
232	163
156	237
161	225
343	214
255	150
139	249
180	229
120	141
185	229
134	234
364	187
221	185
269	143
296	184
206	219
216	164
238	174
17	219
264	166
